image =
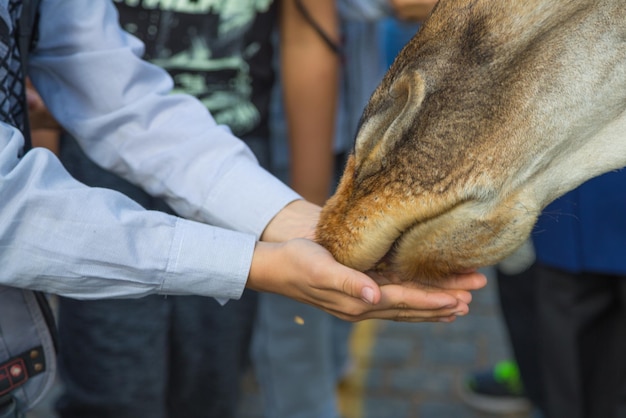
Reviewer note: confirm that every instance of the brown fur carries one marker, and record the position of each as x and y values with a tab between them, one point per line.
460	143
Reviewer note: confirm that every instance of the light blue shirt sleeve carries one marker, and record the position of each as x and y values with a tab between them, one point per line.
60	236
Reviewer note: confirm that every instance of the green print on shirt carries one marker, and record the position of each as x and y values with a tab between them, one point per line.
205	48
226	8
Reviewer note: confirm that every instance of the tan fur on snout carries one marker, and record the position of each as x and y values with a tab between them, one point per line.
492	111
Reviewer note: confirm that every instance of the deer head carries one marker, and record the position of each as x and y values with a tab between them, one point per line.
489	113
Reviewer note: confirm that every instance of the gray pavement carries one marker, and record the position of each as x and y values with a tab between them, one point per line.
414	370
407	370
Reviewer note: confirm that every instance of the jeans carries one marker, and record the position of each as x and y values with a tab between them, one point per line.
298	365
157	357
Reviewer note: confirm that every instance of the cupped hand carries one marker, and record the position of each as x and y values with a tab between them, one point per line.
305	271
456	286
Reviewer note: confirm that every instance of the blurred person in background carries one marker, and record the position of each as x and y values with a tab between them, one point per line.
566	312
184	356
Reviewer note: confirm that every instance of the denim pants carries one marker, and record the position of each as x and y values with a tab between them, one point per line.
157	356
298	364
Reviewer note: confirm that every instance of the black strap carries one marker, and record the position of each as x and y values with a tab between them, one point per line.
8	407
48	316
16	371
334	46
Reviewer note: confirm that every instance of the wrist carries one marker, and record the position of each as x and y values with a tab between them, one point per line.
265	259
296	220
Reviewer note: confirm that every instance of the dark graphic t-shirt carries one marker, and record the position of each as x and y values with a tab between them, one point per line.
217	51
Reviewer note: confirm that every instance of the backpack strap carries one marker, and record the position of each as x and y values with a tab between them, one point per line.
16	371
8	407
28	365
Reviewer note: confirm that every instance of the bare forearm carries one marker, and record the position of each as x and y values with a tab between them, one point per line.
310	71
413	10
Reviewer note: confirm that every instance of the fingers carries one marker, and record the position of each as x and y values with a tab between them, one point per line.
409	302
462	295
401	314
305	271
457	286
471	280
400	303
466	281
359	286
413	10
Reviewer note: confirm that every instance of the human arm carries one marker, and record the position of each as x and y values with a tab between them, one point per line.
44	130
409	10
120	108
62	237
310	76
412	10
38	114
59	236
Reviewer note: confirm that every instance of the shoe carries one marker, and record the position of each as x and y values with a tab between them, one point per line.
498	390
